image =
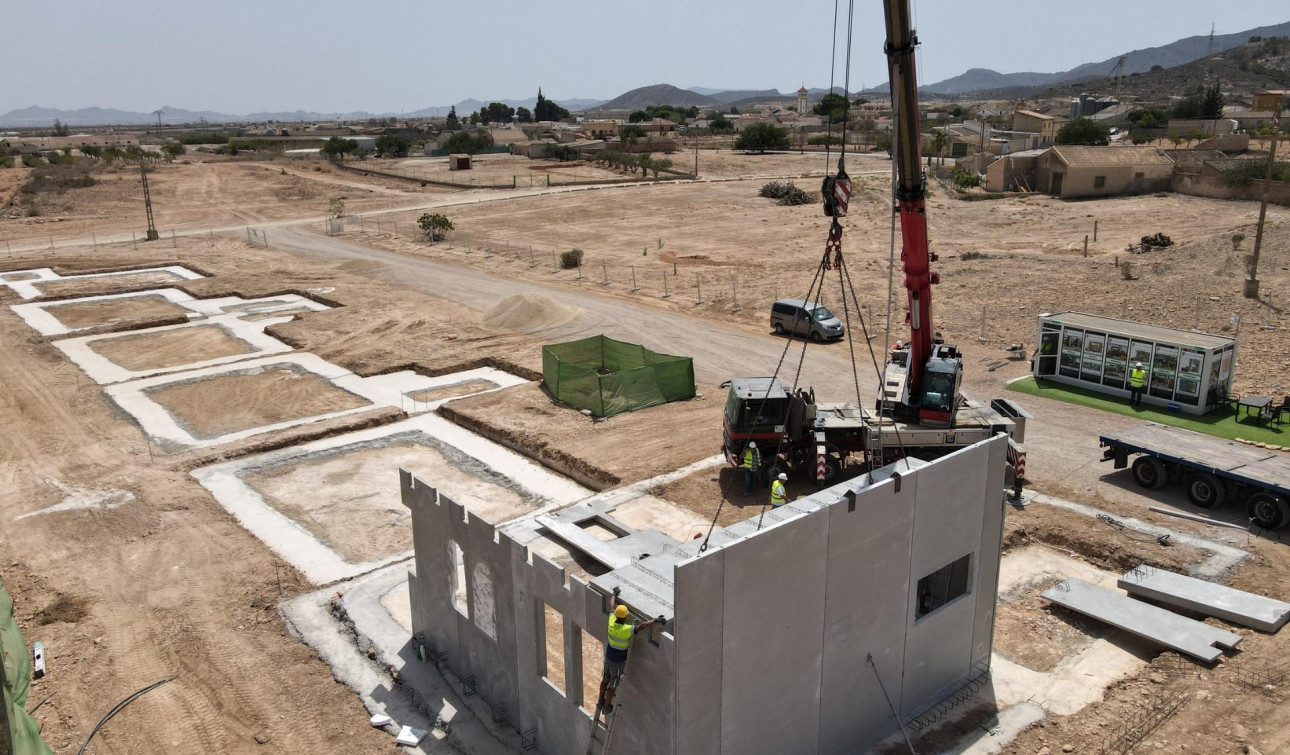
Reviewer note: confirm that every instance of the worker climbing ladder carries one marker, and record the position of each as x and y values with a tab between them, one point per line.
604	721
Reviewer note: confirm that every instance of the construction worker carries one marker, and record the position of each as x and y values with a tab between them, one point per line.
1137	381
778	494
751	463
621	631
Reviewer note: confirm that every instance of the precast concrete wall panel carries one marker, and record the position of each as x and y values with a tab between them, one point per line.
987	574
947	526
773	619
700	599
866	599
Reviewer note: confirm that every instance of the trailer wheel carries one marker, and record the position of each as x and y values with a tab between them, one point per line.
1269	511
1150	472
1205	490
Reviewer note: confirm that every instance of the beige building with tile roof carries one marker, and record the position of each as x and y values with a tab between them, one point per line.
1078	171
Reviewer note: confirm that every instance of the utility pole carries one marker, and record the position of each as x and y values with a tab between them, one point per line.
1251	290
147	202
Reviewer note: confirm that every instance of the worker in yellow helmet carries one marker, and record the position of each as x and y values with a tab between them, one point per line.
778	493
621	630
1137	381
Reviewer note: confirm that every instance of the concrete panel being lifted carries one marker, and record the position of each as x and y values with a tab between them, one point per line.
1147	621
1220	601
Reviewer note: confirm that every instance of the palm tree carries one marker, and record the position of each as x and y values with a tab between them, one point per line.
940	140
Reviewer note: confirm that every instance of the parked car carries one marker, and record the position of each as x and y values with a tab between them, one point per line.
805	318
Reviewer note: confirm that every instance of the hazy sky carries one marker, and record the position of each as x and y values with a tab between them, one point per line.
239	56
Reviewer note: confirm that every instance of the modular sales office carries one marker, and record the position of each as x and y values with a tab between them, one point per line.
1186	370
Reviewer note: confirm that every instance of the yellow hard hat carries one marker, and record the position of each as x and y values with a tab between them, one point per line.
621	612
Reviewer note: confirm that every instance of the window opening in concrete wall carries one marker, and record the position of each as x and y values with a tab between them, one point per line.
553	648
593	667
458	578
942	586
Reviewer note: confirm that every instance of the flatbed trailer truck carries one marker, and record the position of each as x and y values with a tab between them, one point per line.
1214	470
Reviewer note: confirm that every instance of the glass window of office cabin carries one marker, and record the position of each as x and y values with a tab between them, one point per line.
1115	371
1072	352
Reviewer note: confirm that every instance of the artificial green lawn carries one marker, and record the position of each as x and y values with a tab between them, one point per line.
1220	422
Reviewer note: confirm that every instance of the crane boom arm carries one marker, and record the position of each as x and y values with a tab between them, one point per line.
911	190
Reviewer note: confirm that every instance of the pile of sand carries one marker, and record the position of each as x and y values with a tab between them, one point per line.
531	312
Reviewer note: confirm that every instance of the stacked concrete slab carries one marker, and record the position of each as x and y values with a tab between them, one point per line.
1207	598
772	629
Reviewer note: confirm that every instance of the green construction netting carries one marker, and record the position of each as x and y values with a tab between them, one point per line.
18	731
609	377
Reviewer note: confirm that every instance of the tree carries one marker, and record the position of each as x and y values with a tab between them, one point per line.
435	227
467	143
392	145
452	124
523	115
657	165
336	147
760	137
546	110
832	105
1211	104
499	113
940	140
171	150
1084	131
719	122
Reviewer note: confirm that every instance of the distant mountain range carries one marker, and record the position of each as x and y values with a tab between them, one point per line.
1137	61
976	81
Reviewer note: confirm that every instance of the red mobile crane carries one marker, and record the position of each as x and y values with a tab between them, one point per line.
921	411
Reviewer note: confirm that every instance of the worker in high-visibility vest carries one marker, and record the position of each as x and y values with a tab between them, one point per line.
778	493
750	464
1137	381
620	632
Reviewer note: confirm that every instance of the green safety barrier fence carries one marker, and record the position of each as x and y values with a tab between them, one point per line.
609	377
19	732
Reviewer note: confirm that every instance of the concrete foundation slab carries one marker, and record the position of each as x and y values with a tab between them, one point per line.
28	283
301	500
100	356
55	318
1156	624
1220	601
140	399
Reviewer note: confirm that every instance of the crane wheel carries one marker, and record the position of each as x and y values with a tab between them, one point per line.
1205	490
1150	472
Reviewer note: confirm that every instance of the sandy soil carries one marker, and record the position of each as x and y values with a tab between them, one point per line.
624	448
721	239
108	284
351	501
170	348
231	402
94	313
202	192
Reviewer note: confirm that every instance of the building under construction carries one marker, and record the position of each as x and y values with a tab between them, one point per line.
818	627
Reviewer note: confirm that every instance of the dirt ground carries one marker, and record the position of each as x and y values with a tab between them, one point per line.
167	583
232	402
170	348
94	313
600	453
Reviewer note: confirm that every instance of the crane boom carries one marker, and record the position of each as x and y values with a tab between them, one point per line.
911	200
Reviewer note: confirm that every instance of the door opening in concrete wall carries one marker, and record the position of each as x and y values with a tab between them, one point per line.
593	667
553	648
458	578
942	586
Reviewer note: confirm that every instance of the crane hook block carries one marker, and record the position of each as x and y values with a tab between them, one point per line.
836	191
